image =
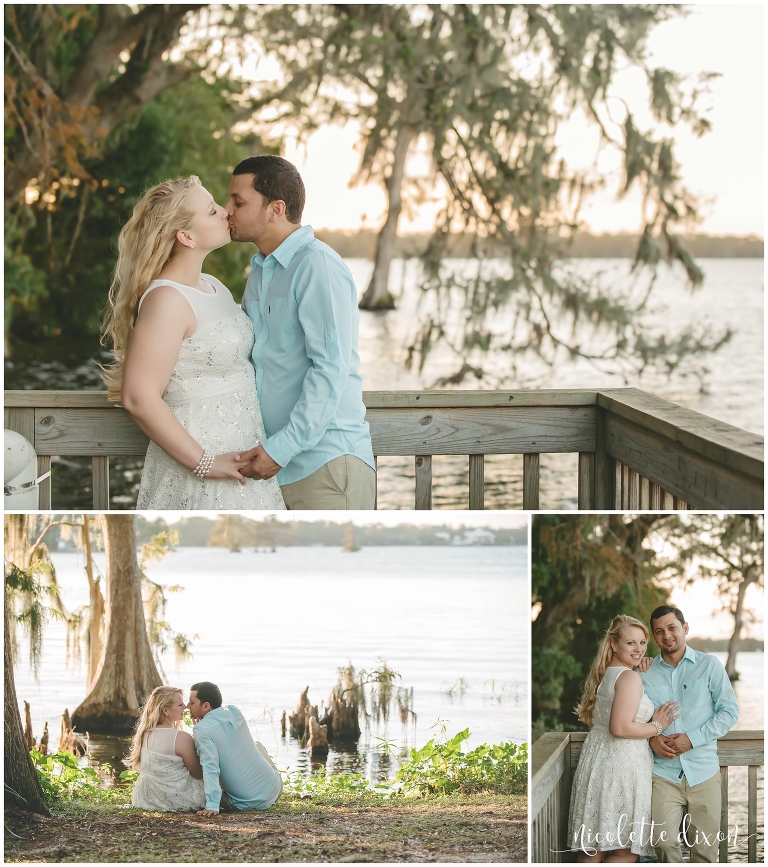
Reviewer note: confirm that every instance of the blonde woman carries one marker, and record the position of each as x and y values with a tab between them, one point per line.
182	349
170	775
611	794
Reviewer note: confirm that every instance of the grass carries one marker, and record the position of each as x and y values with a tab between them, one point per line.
459	828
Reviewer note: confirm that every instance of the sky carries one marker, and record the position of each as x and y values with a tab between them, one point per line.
724	168
491	520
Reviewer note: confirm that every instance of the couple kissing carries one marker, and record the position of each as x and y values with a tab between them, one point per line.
649	762
258	406
217	768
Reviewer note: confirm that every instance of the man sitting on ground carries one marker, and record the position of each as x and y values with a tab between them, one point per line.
237	771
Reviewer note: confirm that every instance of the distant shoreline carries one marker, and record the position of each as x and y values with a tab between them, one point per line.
720	645
362	245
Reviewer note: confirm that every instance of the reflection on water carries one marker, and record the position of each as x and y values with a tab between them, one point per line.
732	389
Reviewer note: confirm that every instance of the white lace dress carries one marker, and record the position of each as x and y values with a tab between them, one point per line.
212	392
164	782
613	779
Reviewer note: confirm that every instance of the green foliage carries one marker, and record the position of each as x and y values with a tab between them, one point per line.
442	768
62	777
439	767
66	255
585	570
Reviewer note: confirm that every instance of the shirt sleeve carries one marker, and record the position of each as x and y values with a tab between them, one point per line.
325	296
726	708
209	759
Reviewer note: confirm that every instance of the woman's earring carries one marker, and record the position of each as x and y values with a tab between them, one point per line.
192	245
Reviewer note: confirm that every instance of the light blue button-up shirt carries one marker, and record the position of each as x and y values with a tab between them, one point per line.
302	302
708	710
231	762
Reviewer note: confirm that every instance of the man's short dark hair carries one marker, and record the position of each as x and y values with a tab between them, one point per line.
207	692
276	178
663	610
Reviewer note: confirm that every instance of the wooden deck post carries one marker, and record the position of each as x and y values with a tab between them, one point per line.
605	467
423	482
531	481
476	481
586	484
724	814
752	813
100	471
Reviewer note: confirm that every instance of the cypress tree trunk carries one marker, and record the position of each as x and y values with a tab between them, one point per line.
22	787
738	621
377	296
96	609
127	673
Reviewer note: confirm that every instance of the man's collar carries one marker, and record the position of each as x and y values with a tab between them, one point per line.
690	654
289	247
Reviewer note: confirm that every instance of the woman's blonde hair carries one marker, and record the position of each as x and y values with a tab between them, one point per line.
586	707
144	245
151	717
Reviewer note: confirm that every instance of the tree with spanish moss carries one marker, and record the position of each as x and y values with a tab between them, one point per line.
484	91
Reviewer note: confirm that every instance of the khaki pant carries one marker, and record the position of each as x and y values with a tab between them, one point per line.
343	483
700	805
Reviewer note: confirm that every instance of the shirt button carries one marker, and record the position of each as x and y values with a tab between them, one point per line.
259	341
258	370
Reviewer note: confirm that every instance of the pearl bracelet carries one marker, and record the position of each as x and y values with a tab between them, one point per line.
659	726
204	467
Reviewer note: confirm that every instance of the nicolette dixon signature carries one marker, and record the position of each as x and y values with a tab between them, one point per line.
651	833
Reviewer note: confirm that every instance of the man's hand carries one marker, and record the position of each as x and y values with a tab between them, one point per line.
208	813
262	466
660	746
645	663
681	743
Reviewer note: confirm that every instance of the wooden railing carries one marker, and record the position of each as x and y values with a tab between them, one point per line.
636	451
554	758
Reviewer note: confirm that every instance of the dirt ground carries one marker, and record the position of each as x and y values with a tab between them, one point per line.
474	829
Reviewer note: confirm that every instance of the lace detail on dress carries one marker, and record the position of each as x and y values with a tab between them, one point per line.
215	359
612	780
165	784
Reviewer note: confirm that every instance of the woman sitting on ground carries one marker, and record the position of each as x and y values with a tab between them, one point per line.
170	776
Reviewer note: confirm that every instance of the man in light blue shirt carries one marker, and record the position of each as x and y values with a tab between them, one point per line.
302	301
686	778
234	765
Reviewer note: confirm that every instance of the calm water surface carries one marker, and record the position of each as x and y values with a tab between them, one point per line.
268	625
727	385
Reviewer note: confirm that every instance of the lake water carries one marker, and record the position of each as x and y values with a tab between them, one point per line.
750	694
727	385
268	625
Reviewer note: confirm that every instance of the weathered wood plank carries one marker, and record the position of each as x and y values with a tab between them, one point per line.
586	483
44	489
657	496
547	765
88	432
376	483
720	442
423	465
530	481
100	471
22	421
645	493
723	848
668	500
685	474
735	749
482	431
477	481
372	399
619	485
634	489
752	814
605	467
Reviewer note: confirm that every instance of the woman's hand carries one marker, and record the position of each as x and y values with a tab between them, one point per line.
666	713
227	466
